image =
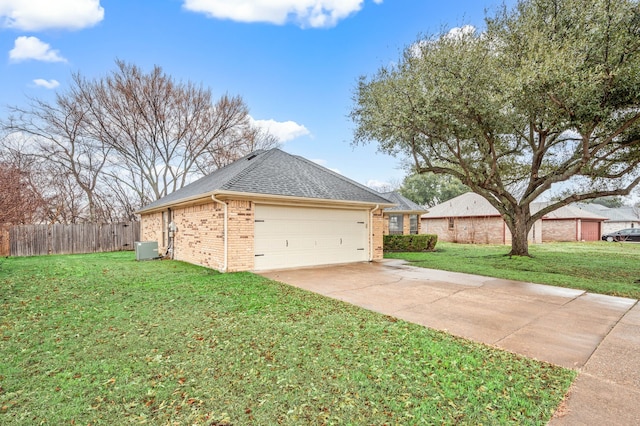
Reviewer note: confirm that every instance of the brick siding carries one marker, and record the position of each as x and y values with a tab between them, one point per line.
561	230
151	229
241	235
378	226
199	236
470	230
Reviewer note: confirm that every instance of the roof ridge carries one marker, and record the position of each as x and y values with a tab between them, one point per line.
338	175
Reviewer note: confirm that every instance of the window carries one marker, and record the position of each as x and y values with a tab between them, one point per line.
395	224
452	223
413	224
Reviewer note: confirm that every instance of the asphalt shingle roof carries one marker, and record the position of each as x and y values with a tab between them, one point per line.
465	205
471	204
616	214
403	204
275	172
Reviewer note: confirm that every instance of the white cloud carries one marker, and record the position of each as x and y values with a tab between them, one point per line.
306	13
47	84
26	48
457	33
283	130
36	15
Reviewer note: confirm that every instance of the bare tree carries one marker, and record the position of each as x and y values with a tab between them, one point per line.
20	201
162	131
235	144
57	135
105	147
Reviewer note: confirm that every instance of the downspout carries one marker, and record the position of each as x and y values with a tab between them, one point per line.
371	232
226	246
171	234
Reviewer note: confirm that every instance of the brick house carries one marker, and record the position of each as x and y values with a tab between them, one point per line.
617	217
268	210
469	218
404	217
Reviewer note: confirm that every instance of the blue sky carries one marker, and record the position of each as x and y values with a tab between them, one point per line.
295	62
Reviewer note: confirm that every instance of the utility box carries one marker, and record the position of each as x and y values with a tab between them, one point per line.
146	250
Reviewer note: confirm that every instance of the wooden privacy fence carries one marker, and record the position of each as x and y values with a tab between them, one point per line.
33	240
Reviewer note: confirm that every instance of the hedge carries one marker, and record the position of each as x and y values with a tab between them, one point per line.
421	242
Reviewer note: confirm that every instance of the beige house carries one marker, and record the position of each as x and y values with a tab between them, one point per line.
268	210
469	218
404	217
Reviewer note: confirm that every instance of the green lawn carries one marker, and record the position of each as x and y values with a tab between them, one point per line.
102	339
598	267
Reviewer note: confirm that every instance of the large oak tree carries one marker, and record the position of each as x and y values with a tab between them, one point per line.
547	96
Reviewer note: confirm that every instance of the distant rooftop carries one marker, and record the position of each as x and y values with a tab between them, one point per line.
402	203
613	214
471	204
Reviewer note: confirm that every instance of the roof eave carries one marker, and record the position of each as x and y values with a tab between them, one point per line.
184	201
270	198
420	212
288	199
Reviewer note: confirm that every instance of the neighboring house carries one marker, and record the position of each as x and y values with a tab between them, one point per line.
569	223
404	217
268	210
617	217
470	218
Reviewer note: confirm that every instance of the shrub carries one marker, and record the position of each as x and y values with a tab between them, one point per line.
422	242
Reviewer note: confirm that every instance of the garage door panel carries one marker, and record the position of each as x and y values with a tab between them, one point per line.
300	236
590	231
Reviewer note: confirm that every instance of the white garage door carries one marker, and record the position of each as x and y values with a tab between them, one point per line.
288	237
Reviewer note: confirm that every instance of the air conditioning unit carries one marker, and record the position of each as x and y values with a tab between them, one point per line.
147	250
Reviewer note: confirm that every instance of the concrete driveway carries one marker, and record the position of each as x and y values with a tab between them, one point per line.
595	334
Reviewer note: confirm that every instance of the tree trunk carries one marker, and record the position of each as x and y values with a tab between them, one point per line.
519	234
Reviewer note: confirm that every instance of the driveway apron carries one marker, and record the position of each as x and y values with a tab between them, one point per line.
597	335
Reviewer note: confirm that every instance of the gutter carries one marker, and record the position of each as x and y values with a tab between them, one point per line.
226	244
371	232
267	198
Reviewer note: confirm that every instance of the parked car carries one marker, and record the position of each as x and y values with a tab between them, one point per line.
629	234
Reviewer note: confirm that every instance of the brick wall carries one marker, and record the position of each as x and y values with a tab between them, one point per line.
241	235
471	230
378	226
199	237
151	229
560	230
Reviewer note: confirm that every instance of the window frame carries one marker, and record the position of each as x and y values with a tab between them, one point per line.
396	221
414	224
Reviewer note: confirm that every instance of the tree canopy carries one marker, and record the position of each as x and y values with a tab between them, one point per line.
430	189
548	94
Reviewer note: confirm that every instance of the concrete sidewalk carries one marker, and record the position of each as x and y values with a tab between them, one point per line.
595	334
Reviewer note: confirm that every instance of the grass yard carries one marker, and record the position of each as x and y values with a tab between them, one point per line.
102	339
598	267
